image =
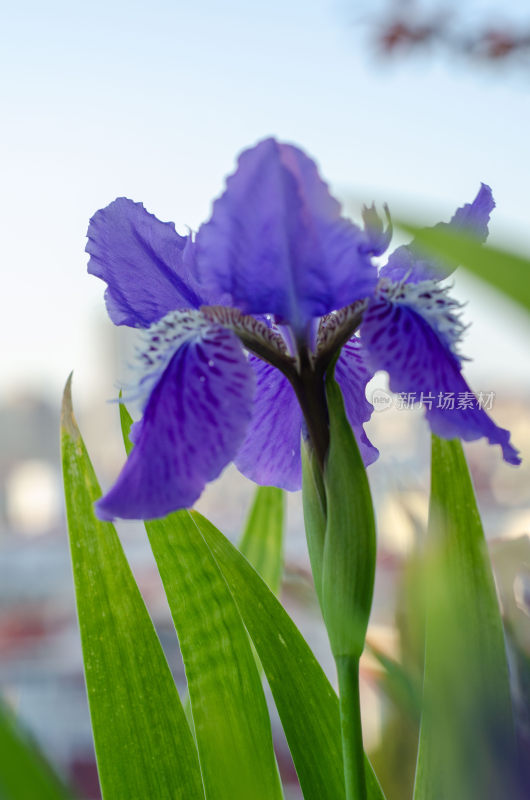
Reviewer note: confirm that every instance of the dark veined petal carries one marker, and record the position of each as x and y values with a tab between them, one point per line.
270	453
276	241
407	262
199	389
352	375
414	337
146	264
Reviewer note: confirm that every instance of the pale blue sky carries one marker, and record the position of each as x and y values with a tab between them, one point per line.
154	102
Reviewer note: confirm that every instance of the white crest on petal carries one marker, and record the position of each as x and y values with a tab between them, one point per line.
431	301
158	345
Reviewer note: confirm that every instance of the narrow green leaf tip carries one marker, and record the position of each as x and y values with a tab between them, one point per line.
68	421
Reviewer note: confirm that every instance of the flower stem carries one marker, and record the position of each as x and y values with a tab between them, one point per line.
309	389
351	730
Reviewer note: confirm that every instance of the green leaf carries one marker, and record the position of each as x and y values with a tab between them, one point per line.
398	684
126	423
262	540
307	705
144	747
24	772
466	749
230	714
501	268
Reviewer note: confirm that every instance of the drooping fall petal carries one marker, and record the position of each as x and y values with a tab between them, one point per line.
412	332
199	400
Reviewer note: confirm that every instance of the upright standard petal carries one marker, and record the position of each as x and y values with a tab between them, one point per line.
147	265
277	244
352	375
474	217
377	236
412	331
411	264
195	417
270	453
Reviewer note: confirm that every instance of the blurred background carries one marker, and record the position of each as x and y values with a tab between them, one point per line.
410	103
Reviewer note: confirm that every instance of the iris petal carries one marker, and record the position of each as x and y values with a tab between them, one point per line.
418	353
276	242
474	217
352	375
147	265
270	453
408	262
194	421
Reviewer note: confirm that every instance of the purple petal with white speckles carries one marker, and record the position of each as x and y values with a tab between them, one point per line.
277	243
352	375
408	262
147	265
194	422
418	360
270	454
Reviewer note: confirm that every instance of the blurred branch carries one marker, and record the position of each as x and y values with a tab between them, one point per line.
407	26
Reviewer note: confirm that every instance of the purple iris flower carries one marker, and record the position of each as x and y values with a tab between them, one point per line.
241	322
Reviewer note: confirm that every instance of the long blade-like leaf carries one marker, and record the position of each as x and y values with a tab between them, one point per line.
262	540
24	773
230	715
466	749
307	705
144	747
